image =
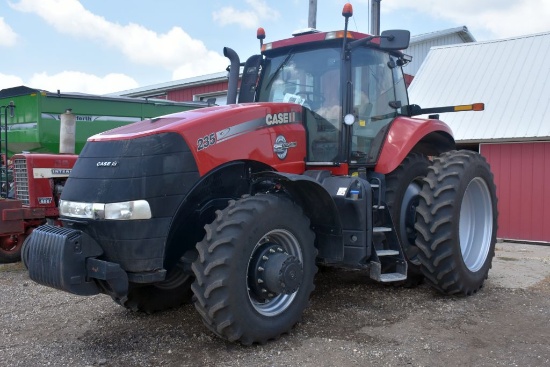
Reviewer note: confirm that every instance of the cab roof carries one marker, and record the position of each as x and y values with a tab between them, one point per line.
313	37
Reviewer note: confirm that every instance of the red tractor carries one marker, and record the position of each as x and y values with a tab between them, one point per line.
233	207
38	181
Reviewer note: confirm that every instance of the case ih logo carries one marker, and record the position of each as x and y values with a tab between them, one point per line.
281	118
107	164
281	147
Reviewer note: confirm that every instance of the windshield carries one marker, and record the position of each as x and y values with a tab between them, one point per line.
310	78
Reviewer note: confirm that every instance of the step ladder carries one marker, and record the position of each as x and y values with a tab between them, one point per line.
387	262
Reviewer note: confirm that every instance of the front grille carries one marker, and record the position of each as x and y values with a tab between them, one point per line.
21	180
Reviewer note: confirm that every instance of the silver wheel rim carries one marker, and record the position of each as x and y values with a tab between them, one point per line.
281	302
476	224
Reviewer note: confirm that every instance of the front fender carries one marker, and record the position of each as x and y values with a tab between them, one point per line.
430	137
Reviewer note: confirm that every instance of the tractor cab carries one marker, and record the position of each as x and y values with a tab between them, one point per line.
349	94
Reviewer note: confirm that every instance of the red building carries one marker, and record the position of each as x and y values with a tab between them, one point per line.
513	132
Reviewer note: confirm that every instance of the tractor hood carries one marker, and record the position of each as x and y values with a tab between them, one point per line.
271	133
218	116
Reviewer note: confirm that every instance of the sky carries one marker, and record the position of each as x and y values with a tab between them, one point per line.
100	47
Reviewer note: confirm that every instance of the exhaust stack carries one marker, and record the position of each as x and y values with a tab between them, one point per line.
233	74
375	18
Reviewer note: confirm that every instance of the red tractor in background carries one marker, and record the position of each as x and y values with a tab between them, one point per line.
38	181
320	162
31	185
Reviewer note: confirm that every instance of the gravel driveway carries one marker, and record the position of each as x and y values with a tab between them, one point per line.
352	321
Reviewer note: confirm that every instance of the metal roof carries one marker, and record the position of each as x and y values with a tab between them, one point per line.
462	32
175	84
24	90
421	44
511	76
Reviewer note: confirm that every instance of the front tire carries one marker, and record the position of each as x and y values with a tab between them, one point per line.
171	293
10	248
457	223
255	269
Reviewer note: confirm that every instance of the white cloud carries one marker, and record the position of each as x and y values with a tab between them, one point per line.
172	50
503	18
74	81
247	18
10	81
7	35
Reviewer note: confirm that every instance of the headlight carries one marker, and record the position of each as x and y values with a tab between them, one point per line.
76	209
138	209
127	210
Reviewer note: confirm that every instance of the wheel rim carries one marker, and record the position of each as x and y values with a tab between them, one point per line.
270	303
11	244
407	218
476	224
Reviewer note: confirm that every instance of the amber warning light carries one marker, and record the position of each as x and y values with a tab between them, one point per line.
415	110
470	107
347	11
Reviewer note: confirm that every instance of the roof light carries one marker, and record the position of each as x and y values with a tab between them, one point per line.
260	33
347	11
337	34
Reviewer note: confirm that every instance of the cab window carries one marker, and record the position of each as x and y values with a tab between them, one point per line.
377	94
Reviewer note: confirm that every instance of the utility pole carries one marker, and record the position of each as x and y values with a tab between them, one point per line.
375	17
312	20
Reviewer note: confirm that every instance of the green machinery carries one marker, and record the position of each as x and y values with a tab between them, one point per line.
33	123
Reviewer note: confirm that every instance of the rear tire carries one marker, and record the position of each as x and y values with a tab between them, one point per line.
255	269
403	186
457	223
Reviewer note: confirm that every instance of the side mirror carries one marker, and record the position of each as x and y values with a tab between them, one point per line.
395	39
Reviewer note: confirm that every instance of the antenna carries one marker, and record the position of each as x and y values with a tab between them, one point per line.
312	19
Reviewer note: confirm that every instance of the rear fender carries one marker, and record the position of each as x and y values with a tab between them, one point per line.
406	135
